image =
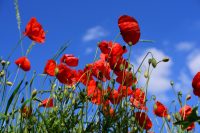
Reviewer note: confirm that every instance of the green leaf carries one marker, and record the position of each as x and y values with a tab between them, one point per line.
13	95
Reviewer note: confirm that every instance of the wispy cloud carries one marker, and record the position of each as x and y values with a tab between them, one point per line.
184	83
160	78
88	50
193	62
185	46
94	33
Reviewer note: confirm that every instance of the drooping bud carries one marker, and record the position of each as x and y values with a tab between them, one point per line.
172	83
9	83
188	97
168	117
34	93
165	59
146	75
2	73
56	71
154	62
3	62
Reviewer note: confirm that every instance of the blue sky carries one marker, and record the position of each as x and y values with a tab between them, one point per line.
173	25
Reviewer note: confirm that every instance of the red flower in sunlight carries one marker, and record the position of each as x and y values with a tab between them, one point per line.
70	60
66	75
126	78
47	103
35	31
138	99
96	94
112	49
129	29
160	110
50	68
84	76
143	120
23	63
114	96
100	69
185	111
196	84
125	91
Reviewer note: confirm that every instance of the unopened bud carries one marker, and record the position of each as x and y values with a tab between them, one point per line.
188	97
168	117
165	59
153	97
7	63
34	93
149	61
2	73
172	83
146	75
56	71
180	93
3	62
9	83
154	62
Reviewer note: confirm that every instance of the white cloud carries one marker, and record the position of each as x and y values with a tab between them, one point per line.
184	83
193	62
94	33
88	50
184	46
160	78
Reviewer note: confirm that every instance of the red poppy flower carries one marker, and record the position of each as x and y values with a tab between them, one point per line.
26	111
160	110
35	31
96	94
50	68
114	97
196	84
100	69
125	91
70	60
66	75
185	111
84	76
126	78
47	103
129	29
143	120
112	49
138	99
23	63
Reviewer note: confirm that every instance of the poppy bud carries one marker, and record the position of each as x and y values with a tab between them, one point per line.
146	75
172	83
149	61
154	62
2	73
3	62
56	71
180	93
165	59
7	63
188	97
153	97
168	117
9	83
34	93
